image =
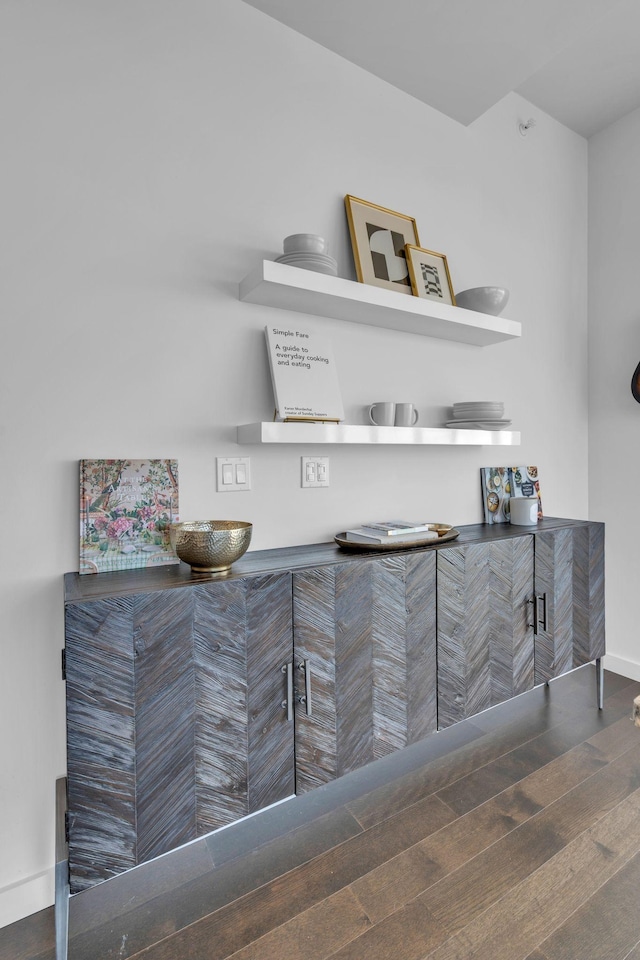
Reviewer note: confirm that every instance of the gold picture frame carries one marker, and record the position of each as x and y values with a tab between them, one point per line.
430	277
379	237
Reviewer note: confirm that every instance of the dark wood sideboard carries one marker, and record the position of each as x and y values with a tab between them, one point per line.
193	701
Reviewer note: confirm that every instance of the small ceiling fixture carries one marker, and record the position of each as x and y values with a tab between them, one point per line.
525	127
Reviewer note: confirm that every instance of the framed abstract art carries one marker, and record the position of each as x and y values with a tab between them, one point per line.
379	238
429	274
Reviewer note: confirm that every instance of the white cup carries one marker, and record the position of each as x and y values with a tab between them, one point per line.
406	415
382	414
523	510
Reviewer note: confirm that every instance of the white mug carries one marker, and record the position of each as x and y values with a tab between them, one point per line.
523	510
406	415
382	414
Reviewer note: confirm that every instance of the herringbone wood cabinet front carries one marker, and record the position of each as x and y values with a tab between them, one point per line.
192	703
516	612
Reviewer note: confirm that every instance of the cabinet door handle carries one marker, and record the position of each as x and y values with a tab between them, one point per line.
542	599
305	666
288	702
534	601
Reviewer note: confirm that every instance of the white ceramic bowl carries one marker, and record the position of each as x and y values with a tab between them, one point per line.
491	300
304	243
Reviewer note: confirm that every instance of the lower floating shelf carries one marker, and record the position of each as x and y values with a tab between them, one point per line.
277	432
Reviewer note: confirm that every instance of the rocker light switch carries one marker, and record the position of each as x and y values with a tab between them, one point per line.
233	474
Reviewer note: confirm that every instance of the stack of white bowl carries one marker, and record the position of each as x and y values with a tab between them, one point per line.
309	251
479	415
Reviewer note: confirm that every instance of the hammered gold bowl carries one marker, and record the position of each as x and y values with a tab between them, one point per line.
211	546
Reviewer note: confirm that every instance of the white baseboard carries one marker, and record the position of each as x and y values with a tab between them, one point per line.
28	896
626	668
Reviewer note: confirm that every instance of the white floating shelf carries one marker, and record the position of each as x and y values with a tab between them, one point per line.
305	291
277	432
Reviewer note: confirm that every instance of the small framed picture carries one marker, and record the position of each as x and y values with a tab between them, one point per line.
429	274
379	238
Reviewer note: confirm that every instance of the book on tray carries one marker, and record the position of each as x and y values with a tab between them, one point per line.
393	531
394	528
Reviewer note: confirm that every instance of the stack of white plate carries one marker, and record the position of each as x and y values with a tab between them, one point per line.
479	415
307	250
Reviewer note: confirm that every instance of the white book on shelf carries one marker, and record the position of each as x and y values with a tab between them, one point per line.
304	375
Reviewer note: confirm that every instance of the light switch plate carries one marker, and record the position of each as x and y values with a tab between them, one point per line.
233	474
315	471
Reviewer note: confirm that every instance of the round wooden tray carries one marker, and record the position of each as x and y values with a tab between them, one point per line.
341	540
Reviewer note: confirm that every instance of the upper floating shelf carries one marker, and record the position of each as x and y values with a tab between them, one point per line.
305	291
278	432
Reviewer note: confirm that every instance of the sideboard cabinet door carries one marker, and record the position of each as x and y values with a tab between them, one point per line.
485	641
175	717
364	641
101	744
569	589
244	749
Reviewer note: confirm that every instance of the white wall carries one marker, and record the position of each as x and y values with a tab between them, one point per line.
614	352
153	153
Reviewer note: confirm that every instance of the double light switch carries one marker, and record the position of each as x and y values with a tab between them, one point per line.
234	473
315	471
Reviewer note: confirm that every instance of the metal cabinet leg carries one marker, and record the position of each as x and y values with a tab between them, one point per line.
62	872
600	683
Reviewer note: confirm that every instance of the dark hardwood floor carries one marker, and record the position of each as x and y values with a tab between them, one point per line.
512	835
